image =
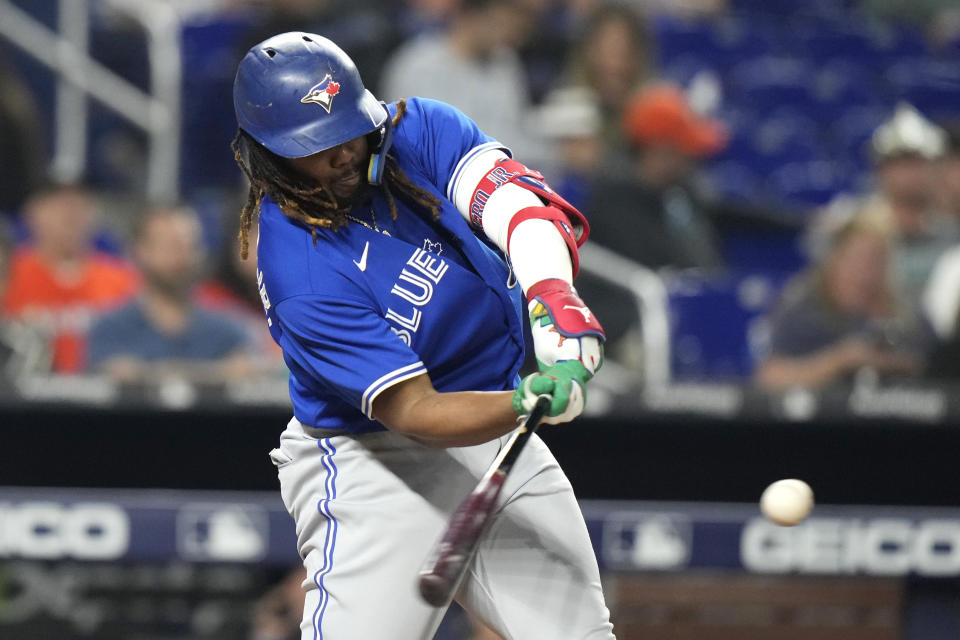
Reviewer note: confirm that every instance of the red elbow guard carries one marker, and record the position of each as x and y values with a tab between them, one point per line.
560	221
569	221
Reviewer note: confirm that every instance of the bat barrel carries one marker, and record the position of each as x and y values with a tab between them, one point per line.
447	566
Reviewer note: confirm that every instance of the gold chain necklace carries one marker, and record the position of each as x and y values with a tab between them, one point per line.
373	219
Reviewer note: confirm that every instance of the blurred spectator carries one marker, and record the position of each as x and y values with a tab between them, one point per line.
277	614
657	216
23	350
163	333
613	57
948	178
59	281
940	18
544	57
905	151
688	8
420	17
367	29
474	66
941	295
941	303
844	314
22	141
945	359
233	289
569	119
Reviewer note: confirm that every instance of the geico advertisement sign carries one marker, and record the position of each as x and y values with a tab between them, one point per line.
881	546
50	530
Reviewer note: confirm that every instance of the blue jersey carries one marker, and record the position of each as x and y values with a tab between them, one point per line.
360	310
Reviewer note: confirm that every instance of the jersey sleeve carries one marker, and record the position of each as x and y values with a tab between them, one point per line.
345	346
446	140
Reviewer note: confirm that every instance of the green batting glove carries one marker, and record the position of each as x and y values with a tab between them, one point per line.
566	384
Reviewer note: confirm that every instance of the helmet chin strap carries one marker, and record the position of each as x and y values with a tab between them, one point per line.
378	159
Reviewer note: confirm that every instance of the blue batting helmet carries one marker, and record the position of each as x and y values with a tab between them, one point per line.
299	93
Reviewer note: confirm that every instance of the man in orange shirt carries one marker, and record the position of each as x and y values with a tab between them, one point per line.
59	281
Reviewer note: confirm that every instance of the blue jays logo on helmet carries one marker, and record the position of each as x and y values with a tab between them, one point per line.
277	85
322	93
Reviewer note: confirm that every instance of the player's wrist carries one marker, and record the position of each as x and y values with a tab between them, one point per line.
548	288
563	327
559	300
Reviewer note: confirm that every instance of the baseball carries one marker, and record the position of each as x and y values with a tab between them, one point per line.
787	502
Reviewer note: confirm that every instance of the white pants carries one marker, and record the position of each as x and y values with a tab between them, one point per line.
369	508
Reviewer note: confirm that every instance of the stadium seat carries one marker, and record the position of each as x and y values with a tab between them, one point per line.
891	42
827	44
732	181
838	84
711	321
930	85
851	131
809	184
677	38
788	135
681	69
833	10
209	51
771	82
739	39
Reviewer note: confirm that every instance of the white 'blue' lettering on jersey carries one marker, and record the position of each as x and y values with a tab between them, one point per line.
431	296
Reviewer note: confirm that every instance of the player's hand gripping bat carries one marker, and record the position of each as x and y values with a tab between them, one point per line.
450	557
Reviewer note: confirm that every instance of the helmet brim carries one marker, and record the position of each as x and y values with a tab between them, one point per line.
317	135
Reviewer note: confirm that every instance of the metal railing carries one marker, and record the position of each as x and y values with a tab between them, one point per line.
650	297
79	76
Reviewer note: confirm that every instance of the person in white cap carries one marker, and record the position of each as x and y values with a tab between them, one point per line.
904	152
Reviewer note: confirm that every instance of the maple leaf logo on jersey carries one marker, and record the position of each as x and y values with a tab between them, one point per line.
432	247
322	93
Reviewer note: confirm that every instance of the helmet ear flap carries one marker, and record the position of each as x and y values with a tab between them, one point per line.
380	142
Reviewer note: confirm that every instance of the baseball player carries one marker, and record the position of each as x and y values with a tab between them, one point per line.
400	250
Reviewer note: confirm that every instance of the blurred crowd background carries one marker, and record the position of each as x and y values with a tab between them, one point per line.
786	174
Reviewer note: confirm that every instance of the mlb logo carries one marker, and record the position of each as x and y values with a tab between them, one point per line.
322	93
222	533
649	541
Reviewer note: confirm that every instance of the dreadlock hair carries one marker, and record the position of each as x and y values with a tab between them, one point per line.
314	206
